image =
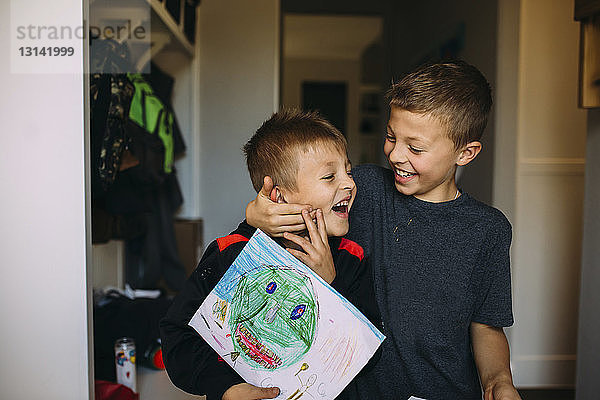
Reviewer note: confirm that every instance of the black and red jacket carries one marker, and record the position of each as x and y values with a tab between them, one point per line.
191	363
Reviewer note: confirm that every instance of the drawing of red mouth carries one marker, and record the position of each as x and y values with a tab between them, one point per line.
255	350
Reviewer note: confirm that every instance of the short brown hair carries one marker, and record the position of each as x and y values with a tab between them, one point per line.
453	92
274	149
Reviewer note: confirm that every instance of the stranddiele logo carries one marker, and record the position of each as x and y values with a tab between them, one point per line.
124	31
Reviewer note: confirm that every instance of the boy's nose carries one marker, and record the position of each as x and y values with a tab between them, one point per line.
398	155
348	183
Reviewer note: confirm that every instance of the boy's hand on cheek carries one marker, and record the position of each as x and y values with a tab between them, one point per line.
317	254
246	391
274	218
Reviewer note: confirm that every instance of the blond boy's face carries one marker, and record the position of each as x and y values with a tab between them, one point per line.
421	155
324	181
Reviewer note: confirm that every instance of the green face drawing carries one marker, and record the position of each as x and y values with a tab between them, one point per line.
273	317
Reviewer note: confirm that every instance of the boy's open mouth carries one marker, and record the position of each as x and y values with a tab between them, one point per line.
404	174
342	206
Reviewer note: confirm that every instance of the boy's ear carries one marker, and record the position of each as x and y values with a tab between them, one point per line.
273	194
468	153
277	196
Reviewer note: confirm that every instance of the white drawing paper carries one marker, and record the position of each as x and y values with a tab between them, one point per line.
279	324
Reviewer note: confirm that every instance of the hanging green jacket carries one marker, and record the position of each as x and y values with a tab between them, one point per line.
149	112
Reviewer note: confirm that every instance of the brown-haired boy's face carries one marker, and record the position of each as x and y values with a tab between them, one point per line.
421	155
325	182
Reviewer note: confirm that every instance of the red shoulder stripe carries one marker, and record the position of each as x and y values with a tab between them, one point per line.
226	241
352	247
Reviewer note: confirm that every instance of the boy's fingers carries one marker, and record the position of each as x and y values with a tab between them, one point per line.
299	255
267	186
313	232
299	240
282	222
248	391
292	209
281	209
291	228
266	393
322	228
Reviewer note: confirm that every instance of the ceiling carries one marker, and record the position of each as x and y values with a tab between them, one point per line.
329	37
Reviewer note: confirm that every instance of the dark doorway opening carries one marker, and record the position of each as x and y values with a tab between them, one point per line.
329	98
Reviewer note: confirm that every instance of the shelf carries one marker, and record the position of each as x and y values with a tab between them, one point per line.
152	15
175	29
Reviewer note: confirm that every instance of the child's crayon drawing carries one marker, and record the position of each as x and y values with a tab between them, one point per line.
279	324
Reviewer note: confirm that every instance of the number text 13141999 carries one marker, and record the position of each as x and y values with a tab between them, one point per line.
48	51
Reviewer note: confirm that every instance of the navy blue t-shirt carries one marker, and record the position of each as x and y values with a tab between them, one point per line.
437	268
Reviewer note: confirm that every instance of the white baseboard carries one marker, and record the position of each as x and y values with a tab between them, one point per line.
544	371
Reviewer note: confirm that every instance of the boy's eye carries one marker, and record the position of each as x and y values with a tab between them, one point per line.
390	138
415	150
349	172
328	177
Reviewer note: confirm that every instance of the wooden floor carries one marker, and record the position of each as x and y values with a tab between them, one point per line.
539	394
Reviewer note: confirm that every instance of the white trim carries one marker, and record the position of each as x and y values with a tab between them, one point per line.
545	386
545	357
552	166
87	157
544	370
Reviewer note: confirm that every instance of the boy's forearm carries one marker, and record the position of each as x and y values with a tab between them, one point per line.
492	356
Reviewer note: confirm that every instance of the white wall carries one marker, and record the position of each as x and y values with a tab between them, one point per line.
550	149
239	74
43	294
588	346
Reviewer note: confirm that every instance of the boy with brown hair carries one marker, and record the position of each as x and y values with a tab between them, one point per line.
440	258
306	158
